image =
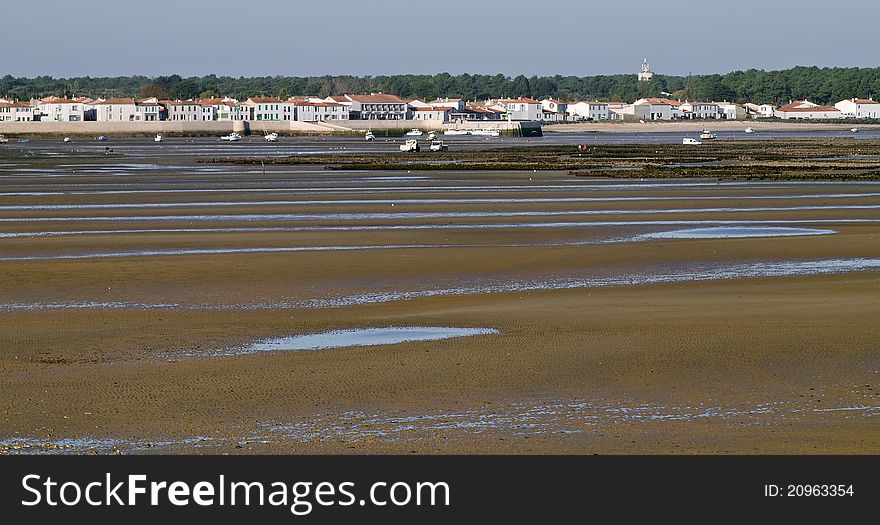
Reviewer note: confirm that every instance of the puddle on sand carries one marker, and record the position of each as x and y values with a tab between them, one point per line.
361	337
727	232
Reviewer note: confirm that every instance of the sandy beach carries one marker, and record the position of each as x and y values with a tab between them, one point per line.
132	287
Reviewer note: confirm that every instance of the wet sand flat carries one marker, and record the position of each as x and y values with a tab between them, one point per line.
121	309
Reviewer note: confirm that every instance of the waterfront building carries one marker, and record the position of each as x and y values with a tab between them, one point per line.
377	106
265	108
653	109
859	108
183	110
590	110
760	110
16	111
518	108
457	104
439	113
117	110
804	109
61	110
699	110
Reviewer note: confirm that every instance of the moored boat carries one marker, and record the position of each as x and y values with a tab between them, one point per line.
415	132
486	132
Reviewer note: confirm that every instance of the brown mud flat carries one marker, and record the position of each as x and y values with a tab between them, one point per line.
785	364
794	159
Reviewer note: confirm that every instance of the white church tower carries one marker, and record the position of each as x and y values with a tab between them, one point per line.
646	74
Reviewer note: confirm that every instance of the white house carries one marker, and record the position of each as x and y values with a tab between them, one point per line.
265	108
150	110
16	112
730	111
183	110
476	112
61	110
804	109
590	110
455	103
519	108
655	109
432	113
699	110
311	111
377	106
859	108
555	106
117	110
760	110
229	109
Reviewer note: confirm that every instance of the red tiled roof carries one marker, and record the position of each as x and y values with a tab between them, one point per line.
787	109
116	101
376	98
663	101
264	100
432	108
56	100
520	100
14	105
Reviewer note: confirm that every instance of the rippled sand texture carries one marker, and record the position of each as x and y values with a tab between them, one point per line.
589	316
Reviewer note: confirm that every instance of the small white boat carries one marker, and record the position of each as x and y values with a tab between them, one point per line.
232	137
707	135
432	135
414	133
159	138
486	132
452	132
102	138
66	139
855	130
4	140
690	141
749	130
272	137
369	137
438	145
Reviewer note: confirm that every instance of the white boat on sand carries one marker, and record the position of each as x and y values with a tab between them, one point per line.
369	137
690	141
159	138
414	133
749	130
232	137
486	132
453	132
271	137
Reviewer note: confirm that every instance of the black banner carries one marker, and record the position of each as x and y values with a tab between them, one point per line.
436	489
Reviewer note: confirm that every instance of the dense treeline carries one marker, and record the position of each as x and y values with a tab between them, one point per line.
821	85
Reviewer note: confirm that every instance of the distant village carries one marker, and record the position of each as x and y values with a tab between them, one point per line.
385	106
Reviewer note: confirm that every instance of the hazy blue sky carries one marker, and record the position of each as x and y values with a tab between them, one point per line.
547	37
